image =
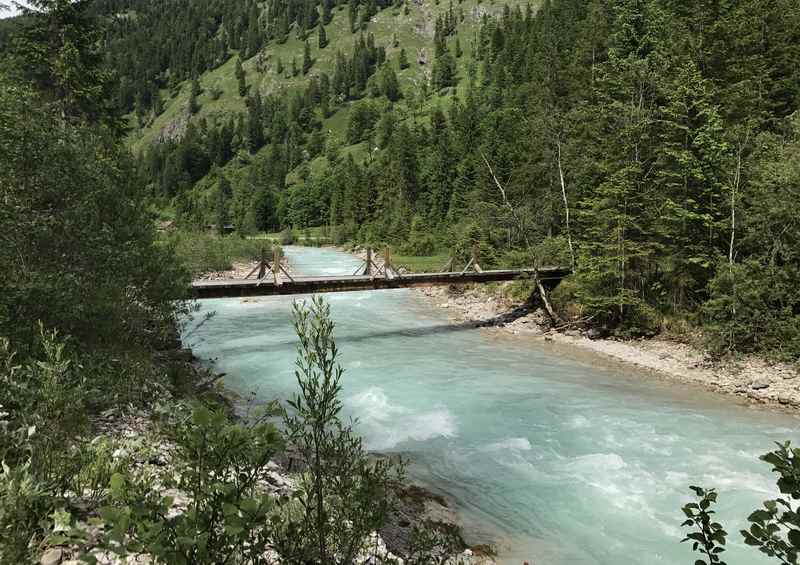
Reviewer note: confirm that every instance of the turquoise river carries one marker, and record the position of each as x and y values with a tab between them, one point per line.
555	458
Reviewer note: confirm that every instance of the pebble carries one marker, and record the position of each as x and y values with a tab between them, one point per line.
759	385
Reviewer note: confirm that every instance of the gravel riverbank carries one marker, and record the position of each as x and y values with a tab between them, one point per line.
751	378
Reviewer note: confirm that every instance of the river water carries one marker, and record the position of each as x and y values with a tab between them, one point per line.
555	459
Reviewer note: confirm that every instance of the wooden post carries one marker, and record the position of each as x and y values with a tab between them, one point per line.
368	268
262	268
276	261
475	264
387	262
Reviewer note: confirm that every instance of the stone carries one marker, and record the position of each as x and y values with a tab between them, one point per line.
184	355
52	557
759	385
594	333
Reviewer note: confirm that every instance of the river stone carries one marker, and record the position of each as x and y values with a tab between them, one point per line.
51	557
759	385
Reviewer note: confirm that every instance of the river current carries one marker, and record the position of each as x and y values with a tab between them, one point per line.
555	459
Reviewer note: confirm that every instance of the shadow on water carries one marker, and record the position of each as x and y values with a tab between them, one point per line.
441	329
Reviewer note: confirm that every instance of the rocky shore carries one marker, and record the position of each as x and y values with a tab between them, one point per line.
751	378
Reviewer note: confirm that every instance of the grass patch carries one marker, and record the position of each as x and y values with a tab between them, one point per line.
421	263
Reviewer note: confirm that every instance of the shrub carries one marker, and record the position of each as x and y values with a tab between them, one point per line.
201	252
754	308
287	237
774	529
218	466
343	494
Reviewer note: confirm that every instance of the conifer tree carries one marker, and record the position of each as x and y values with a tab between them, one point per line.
240	77
308	62
402	59
194	92
254	38
322	39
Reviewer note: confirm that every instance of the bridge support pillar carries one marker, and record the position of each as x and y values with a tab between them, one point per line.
368	268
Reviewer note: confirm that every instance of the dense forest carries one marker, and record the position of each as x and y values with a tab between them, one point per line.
652	145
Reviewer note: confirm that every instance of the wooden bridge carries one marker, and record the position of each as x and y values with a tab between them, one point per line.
270	279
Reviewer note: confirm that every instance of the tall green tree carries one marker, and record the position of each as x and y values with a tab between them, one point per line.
58	51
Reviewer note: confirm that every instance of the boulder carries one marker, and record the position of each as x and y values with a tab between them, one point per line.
51	557
759	385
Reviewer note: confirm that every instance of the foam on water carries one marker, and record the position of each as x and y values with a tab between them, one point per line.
378	421
556	461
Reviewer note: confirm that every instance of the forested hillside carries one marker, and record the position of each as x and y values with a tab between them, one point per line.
652	144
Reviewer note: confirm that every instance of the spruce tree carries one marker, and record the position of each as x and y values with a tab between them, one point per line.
402	59
240	77
308	62
322	39
194	92
254	38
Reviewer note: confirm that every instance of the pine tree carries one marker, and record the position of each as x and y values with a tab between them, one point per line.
327	11
402	59
619	242
308	62
240	77
322	39
254	39
66	67
194	92
691	156
223	195
389	85
255	125
295	70
279	66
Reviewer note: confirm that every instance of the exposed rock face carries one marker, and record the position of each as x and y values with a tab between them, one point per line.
176	129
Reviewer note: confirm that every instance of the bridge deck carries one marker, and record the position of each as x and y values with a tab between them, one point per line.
550	276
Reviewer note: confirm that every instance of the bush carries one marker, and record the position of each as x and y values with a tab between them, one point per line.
774	529
287	237
754	308
343	495
76	233
218	466
201	252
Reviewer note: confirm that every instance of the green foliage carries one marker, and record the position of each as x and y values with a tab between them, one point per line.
65	67
343	495
76	232
202	252
287	237
709	537
775	529
363	118
218	466
753	307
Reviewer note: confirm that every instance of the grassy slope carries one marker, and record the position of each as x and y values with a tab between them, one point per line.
413	32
